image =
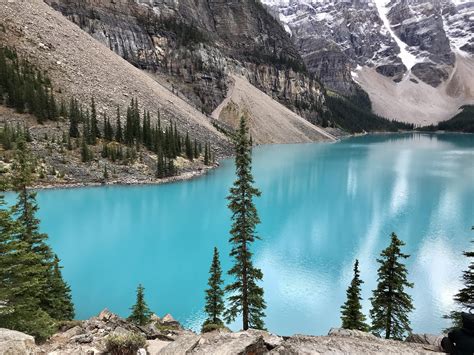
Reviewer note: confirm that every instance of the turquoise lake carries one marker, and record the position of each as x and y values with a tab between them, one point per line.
322	206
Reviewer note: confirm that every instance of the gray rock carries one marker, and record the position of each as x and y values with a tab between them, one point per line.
340	332
105	315
430	73
72	332
154	346
428	339
218	343
15	343
301	344
82	338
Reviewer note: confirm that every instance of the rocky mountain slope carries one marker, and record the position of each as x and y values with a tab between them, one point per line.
166	336
269	122
192	46
81	67
391	48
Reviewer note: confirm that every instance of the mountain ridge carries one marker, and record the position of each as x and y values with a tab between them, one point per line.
339	39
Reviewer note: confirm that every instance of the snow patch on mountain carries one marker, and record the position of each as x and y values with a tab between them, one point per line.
408	59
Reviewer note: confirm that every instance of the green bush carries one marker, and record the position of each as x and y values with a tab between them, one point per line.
125	344
209	327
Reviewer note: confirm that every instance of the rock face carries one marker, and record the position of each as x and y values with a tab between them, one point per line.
82	67
416	40
14	343
193	45
374	32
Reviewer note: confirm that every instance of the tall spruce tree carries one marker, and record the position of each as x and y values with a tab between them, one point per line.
141	314
94	124
206	155
245	296
74	118
189	148
464	299
29	289
214	294
21	280
58	303
390	303
118	124
351	312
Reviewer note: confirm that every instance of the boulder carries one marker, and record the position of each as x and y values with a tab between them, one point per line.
154	346
82	338
72	332
427	339
218	343
105	315
340	332
302	344
169	321
120	331
14	343
154	318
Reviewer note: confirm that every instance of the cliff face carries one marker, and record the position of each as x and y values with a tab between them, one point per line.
375	33
191	46
416	41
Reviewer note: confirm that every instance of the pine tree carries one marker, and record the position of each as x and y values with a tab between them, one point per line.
206	155
352	316
58	303
73	119
94	125
141	314
86	154
160	166
188	147
106	173
465	297
246	297
196	149
21	281
29	289
390	303
214	294
118	124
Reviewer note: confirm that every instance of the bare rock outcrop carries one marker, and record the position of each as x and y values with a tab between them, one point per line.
167	337
14	343
89	336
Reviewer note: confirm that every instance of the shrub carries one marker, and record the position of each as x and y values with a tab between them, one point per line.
125	344
209	327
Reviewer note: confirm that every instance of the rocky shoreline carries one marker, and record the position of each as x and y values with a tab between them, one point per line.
188	175
167	336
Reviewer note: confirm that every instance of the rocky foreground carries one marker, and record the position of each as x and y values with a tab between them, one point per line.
166	336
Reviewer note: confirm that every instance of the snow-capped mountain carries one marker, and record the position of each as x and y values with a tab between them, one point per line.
406	43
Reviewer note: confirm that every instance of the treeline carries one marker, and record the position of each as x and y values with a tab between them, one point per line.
11	135
462	122
138	131
349	114
33	295
391	304
28	90
24	88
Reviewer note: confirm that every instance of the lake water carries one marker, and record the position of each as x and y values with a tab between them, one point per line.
322	206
